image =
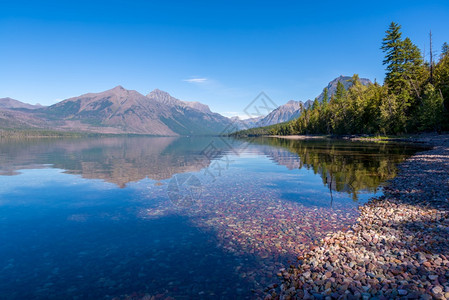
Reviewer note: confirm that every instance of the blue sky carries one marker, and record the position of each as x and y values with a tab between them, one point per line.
222	53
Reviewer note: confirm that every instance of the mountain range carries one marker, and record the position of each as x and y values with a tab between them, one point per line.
116	111
122	111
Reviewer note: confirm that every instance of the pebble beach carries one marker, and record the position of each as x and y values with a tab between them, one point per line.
397	249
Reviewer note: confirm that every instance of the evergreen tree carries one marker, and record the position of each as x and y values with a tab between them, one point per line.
355	80
392	46
337	109
315	104
432	110
442	79
356	105
324	113
390	115
444	50
340	92
371	116
404	62
412	66
325	95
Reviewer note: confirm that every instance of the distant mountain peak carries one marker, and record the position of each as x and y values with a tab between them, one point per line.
159	92
292	109
345	80
166	98
118	91
10	103
162	96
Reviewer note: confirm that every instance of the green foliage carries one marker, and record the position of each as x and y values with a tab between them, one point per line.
432	110
277	129
404	78
392	116
444	49
391	46
325	95
407	102
441	78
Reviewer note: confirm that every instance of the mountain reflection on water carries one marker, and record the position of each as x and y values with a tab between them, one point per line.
181	217
116	160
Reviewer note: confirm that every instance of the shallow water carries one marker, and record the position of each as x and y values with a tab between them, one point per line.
180	217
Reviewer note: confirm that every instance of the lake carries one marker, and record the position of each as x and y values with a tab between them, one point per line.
202	217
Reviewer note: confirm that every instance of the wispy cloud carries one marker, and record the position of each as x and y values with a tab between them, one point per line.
196	80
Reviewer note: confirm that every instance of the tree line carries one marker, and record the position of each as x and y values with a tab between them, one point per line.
413	98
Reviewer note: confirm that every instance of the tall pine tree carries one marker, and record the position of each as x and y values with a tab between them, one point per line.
392	46
405	74
325	95
444	50
340	92
412	67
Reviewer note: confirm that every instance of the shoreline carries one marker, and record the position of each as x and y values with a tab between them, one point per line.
300	137
424	138
398	248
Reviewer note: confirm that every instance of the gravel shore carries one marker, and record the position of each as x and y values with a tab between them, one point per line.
399	247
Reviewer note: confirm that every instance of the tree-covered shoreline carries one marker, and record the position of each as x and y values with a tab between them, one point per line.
414	98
